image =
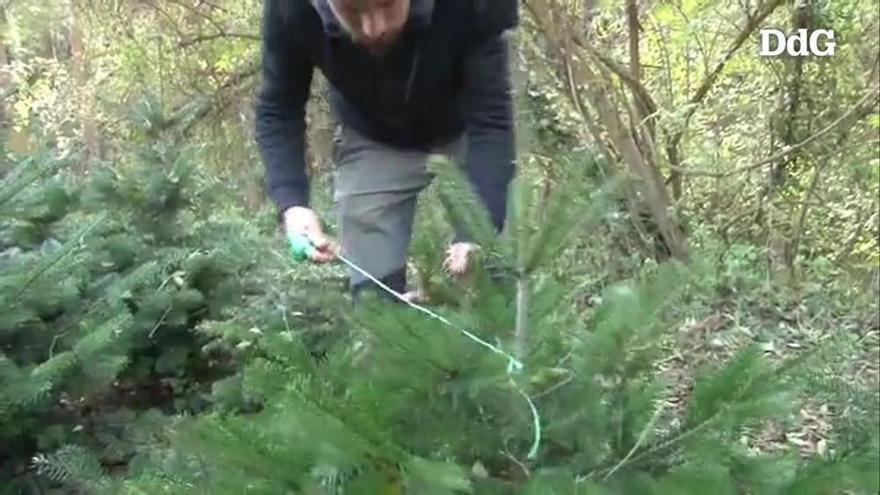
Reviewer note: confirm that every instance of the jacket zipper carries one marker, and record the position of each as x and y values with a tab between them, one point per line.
414	67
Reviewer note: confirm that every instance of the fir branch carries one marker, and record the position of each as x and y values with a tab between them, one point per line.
113	296
642	437
565	215
570	378
98	341
57	258
70	464
760	382
379	442
663	446
467	213
161	321
44	378
26	174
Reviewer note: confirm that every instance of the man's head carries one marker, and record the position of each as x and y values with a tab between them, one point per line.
375	24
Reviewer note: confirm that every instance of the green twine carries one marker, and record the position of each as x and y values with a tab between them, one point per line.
302	248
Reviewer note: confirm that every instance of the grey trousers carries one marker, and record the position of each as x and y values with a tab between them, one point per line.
376	191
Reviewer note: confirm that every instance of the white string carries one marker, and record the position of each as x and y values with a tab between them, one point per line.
513	364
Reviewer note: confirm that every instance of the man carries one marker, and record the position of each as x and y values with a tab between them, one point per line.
409	78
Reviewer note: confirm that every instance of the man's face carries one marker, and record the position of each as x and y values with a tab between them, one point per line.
375	24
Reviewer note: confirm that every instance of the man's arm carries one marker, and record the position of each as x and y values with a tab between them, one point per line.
489	163
280	108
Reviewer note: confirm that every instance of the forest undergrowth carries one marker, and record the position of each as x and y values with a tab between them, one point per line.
172	302
684	301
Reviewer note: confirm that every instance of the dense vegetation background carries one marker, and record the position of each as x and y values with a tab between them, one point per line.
143	278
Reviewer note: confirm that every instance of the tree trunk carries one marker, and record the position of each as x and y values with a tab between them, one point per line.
632	141
791	103
5	82
87	102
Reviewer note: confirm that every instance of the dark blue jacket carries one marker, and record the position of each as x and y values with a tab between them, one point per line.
446	77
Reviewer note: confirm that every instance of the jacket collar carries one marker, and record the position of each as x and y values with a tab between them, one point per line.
420	14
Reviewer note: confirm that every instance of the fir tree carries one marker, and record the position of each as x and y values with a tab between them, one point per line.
55	344
561	404
103	283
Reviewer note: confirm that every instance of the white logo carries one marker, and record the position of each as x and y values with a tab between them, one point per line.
800	44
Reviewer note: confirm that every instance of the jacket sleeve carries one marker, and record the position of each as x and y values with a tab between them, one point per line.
280	108
489	163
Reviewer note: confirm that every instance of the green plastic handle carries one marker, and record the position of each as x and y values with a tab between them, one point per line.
300	246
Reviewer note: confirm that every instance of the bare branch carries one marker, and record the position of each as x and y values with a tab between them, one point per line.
8	93
639	90
211	37
164	13
753	22
672	146
188	116
218	26
642	437
859	111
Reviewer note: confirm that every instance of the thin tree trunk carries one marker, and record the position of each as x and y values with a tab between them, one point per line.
802	220
87	103
645	111
635	148
792	103
4	75
522	315
643	169
632	20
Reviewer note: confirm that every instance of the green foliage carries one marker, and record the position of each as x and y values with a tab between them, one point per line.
105	285
461	203
405	404
48	347
144	293
70	465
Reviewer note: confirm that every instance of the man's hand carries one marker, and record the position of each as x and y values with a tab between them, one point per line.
459	257
304	221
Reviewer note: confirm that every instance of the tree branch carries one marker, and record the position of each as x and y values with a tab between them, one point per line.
188	115
672	146
211	37
752	24
8	93
219	27
620	71
859	111
642	437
